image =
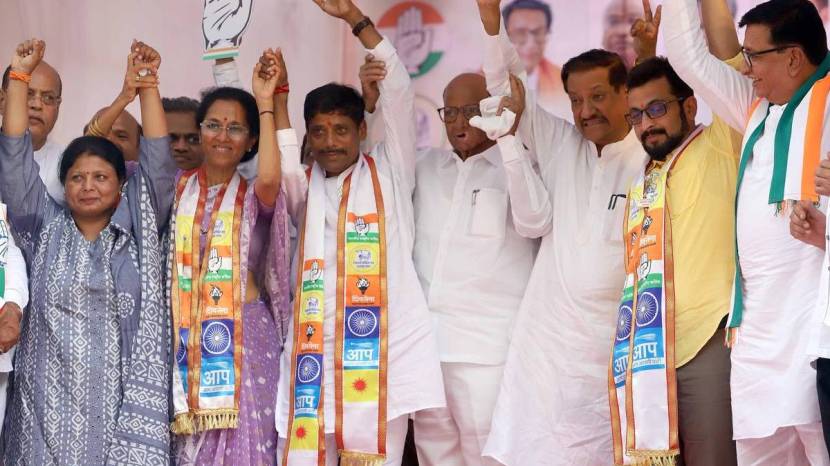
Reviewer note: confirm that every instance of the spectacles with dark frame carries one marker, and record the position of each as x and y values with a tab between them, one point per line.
450	114
654	110
748	56
214	128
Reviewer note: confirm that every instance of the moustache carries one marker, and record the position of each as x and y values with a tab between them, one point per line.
652	132
332	151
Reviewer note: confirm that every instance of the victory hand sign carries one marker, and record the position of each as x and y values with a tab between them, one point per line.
644	31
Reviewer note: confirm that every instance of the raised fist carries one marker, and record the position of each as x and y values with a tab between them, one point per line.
223	24
28	55
412	41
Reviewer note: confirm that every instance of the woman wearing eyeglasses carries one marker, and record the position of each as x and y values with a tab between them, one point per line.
91	370
229	286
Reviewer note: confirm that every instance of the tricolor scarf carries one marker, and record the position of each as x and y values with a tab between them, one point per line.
641	374
796	158
207	322
5	239
360	359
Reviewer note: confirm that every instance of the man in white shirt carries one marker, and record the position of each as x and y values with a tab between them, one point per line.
14	296
780	94
553	403
44	105
473	262
335	128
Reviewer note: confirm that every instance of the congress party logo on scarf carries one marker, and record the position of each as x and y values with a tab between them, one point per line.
796	157
207	306
641	375
360	352
5	235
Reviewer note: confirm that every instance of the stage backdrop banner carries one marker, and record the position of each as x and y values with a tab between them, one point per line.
88	40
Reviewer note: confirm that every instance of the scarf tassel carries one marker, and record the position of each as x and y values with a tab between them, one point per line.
655	457
358	458
183	424
220	419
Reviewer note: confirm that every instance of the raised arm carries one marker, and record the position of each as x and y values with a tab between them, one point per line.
155	162
396	95
20	183
719	26
270	74
137	76
541	131
644	31
529	199
728	93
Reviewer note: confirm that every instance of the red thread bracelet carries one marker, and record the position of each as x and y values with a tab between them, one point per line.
281	90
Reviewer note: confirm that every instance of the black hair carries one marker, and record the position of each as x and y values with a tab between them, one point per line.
791	22
597	58
655	68
8	70
536	5
334	98
180	105
97	146
243	98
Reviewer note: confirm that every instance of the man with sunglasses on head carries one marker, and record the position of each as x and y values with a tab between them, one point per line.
473	259
684	198
44	105
780	102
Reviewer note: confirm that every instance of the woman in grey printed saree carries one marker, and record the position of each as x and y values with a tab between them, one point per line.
92	368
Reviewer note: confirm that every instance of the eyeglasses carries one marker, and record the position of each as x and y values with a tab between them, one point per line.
749	56
46	98
189	138
214	128
521	36
654	110
450	114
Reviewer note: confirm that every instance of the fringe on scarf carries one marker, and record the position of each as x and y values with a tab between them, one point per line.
183	424
655	457
357	458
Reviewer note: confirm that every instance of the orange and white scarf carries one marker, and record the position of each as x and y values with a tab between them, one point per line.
360	352
642	384
207	303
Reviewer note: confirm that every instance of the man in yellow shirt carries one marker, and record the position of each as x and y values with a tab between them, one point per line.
680	239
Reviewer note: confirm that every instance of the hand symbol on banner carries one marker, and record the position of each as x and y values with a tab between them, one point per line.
4	242
214	261
413	41
223	24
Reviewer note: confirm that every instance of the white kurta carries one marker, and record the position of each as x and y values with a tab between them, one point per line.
553	406
16	290
48	159
414	380
772	382
472	261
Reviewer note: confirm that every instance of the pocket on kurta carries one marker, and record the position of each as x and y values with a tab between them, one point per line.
488	216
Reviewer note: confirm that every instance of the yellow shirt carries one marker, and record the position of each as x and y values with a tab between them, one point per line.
701	199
